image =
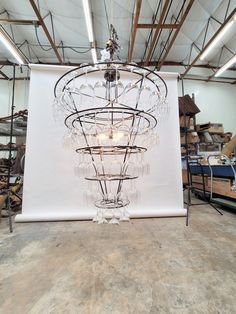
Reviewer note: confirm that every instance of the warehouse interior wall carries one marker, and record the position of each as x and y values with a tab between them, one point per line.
217	102
21	96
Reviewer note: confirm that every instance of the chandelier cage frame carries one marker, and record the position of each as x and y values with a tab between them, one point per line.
106	130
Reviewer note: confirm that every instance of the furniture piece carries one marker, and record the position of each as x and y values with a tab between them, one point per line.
197	183
225	186
188	136
11	129
219	180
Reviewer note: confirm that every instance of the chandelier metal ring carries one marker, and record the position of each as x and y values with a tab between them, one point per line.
94	117
111	150
60	85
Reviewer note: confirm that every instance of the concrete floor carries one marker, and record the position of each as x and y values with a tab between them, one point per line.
145	266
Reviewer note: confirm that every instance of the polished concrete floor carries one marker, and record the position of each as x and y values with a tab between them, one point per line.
145	266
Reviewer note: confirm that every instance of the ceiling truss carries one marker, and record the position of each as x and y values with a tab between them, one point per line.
167	50
164	25
208	44
41	21
134	29
19	22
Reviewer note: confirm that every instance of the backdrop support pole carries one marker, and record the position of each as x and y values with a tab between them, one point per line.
10	152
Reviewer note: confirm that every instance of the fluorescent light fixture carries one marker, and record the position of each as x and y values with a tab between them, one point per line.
88	20
89	25
218	38
8	43
226	66
94	55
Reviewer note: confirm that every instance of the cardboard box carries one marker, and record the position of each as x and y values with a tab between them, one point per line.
216	128
220	184
184	121
227	137
229	147
199	179
191	124
185	176
192	138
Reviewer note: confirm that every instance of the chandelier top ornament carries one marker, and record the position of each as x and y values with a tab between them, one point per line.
111	111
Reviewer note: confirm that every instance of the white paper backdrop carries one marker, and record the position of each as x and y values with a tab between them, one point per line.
53	192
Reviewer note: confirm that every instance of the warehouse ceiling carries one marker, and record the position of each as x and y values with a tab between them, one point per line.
167	35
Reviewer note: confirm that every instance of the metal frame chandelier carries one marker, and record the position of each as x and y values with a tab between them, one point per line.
111	110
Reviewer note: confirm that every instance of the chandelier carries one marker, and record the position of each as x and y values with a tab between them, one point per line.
111	111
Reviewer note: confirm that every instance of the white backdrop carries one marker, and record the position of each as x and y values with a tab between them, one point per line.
53	192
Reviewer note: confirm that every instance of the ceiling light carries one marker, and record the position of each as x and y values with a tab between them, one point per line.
226	66
218	38
88	20
94	55
8	43
89	25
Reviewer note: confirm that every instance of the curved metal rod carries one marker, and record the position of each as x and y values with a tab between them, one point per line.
110	63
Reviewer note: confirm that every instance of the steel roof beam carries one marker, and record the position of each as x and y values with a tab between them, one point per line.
209	42
188	8
165	26
186	78
5	77
153	43
151	63
41	21
19	22
199	79
134	29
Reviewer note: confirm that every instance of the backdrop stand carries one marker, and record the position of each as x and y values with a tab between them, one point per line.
8	190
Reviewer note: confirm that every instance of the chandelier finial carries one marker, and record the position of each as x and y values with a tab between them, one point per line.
112	45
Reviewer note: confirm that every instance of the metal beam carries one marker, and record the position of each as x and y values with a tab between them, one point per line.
134	29
21	78
221	78
20	22
174	63
151	63
209	42
4	75
5	62
175	34
153	43
211	76
41	21
164	26
198	79
17	79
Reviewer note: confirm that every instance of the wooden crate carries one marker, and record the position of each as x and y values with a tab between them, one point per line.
199	179
185	176
221	186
